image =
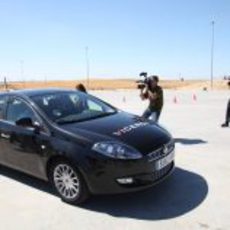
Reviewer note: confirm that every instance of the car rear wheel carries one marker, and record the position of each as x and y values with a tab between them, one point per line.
68	182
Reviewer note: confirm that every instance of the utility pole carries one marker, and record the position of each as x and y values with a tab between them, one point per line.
212	54
87	65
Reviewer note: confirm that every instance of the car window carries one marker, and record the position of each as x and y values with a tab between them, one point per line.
94	106
17	109
2	105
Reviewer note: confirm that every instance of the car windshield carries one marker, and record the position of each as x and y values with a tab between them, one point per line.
69	107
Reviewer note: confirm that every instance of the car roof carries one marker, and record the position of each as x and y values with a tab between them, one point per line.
36	92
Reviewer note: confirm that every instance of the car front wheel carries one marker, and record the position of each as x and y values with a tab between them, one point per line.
68	182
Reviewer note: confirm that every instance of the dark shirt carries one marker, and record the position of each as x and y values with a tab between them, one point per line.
156	104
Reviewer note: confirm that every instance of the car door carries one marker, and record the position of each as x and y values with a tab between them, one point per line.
25	148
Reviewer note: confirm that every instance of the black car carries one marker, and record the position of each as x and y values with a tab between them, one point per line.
81	144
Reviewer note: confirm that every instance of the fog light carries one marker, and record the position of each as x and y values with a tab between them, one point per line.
126	180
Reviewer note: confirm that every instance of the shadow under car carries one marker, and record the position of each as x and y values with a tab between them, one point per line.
179	194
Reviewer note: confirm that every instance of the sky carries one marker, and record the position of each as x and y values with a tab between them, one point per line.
47	39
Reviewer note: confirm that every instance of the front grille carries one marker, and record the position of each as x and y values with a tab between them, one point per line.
161	152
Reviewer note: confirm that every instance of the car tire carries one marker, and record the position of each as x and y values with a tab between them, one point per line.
68	182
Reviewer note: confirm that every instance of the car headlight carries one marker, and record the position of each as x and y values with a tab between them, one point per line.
116	150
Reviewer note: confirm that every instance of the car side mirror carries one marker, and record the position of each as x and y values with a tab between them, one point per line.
27	122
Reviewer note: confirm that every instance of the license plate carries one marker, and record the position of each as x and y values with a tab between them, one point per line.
164	161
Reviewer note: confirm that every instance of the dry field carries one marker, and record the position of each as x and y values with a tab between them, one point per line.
96	84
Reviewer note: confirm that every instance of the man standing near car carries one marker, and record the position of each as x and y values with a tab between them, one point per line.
227	117
154	93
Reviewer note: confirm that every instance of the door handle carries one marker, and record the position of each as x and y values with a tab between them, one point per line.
4	135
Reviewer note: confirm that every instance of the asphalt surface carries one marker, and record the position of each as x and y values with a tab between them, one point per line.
195	196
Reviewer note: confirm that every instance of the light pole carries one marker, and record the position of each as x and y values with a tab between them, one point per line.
212	53
87	65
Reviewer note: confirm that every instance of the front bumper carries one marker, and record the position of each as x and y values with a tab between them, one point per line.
103	174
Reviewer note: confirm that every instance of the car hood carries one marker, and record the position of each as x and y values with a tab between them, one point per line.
123	127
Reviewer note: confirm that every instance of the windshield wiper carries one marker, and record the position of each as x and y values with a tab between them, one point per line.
62	122
101	115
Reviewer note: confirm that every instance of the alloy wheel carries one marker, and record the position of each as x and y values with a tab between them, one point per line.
66	181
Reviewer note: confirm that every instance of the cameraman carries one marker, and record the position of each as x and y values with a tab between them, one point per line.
154	93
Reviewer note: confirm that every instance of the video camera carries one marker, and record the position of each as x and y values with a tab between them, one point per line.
141	84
